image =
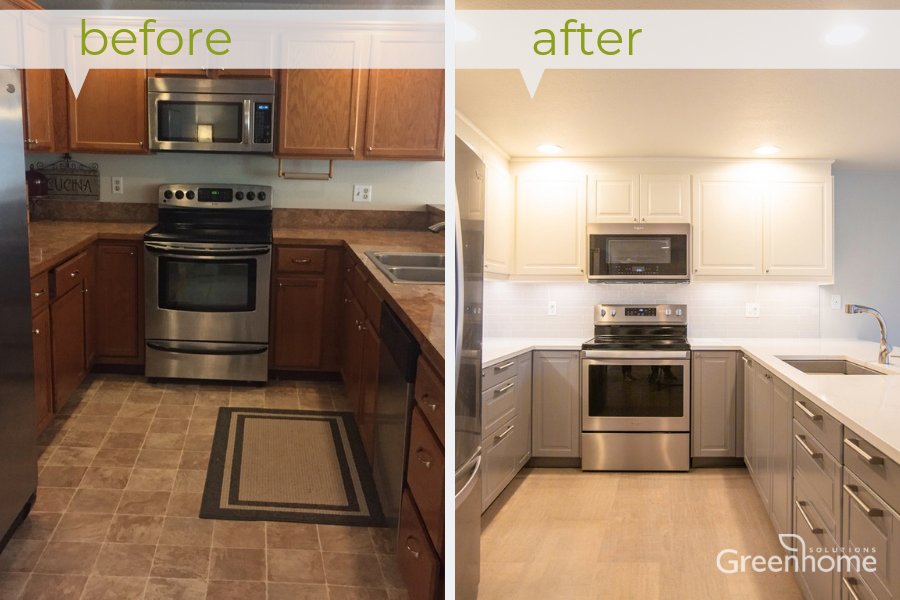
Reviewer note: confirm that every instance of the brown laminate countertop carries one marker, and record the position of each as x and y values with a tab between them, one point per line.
420	307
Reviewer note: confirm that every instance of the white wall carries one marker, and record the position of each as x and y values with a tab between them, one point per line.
395	185
866	255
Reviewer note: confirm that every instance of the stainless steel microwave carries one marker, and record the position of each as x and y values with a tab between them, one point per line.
211	115
647	253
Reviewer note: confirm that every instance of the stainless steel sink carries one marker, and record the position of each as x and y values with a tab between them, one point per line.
410	267
830	366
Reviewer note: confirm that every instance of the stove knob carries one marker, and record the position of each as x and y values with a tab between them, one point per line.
678	312
602	312
251	196
168	194
239	195
179	194
612	312
668	312
190	195
262	196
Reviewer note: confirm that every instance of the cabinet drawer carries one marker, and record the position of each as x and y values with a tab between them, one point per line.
500	461
503	370
358	281
499	405
415	556
820	475
425	476
874	468
430	396
822	426
40	292
815	583
373	306
71	273
300	260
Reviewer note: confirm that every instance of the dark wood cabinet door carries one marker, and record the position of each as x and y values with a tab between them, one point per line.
319	113
89	289
416	558
351	346
43	377
299	310
119	301
110	113
38	104
405	114
371	356
67	332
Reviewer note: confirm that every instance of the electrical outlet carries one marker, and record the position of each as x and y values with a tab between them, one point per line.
551	307
118	185
753	310
362	193
836	301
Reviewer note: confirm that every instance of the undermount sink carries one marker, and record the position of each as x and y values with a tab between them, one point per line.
410	267
831	366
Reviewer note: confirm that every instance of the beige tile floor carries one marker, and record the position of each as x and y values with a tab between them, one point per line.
121	474
561	533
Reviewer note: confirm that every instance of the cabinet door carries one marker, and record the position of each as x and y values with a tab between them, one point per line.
499	220
877	535
38	105
351	346
713	399
615	199
67	330
749	400
405	114
500	464
782	456
762	435
319	112
550	229
556	417
110	113
727	219
43	378
371	355
523	408
297	331
798	229
89	290
119	301
666	198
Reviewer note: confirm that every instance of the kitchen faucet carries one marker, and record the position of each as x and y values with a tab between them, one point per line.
437	227
886	349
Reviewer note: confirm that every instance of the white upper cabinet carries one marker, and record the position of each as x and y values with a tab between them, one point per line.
798	229
728	227
628	198
666	198
499	216
615	199
550	227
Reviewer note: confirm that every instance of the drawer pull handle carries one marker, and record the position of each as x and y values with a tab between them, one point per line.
813	416
802	441
504	388
40	293
813	528
499	438
419	454
504	366
745	359
872	460
870	512
850	583
431	405
74	273
301	261
409	549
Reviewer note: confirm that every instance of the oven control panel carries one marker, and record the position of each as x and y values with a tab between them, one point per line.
606	314
215	195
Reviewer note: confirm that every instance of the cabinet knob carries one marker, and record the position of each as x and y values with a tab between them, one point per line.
131	253
409	549
767	270
40	293
431	405
141	144
352	148
84	291
635	219
370	148
419	453
644	219
346	300
280	284
696	270
36	331
74	273
301	261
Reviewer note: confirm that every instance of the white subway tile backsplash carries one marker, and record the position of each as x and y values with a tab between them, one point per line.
715	310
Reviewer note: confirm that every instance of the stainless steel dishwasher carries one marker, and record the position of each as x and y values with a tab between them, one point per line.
393	404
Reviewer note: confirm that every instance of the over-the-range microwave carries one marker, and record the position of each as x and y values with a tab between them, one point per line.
211	115
646	253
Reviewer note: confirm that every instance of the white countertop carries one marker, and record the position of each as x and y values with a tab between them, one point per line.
867	404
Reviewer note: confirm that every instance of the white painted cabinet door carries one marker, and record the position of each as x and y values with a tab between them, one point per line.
550	228
614	199
727	227
666	198
798	227
499	220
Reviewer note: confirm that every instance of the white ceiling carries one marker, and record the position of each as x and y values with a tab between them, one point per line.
852	116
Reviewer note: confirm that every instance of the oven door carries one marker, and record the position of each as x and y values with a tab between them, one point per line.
636	391
207	292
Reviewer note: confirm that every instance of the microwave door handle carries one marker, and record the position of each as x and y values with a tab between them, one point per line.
248	122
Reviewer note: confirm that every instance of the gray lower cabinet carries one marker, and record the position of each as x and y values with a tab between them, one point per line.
523	403
782	450
500	461
556	418
714	404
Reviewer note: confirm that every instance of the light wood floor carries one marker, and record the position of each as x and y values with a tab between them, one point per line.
561	533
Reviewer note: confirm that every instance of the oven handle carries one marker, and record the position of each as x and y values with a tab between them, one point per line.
640	354
235	252
177	349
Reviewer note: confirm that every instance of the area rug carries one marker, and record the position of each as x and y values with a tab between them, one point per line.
289	465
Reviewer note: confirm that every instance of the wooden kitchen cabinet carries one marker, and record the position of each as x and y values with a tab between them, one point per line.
550	227
89	291
68	332
368	389
297	329
418	561
351	358
714	405
38	106
556	405
43	370
110	113
119	302
405	114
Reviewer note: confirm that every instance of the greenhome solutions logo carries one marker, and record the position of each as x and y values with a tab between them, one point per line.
800	559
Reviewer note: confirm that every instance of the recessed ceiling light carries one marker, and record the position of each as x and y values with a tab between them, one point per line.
465	32
844	34
549	149
767	150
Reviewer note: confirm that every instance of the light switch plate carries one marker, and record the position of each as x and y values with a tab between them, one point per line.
753	310
118	185
836	301
551	307
362	193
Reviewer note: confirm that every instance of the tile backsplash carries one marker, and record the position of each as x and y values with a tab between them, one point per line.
715	310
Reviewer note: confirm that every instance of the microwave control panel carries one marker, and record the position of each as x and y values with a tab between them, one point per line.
262	123
621	269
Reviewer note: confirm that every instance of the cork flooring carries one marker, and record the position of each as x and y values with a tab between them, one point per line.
561	533
121	473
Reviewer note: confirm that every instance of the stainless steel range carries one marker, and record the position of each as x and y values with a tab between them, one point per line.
636	389
207	268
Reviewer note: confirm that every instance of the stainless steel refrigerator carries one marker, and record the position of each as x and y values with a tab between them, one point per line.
469	298
18	449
